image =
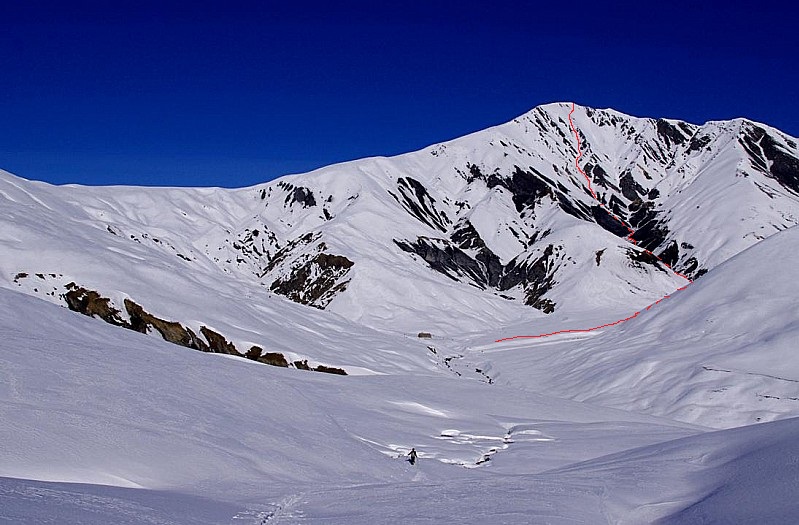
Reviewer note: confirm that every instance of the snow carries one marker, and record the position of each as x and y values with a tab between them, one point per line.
86	403
106	425
721	352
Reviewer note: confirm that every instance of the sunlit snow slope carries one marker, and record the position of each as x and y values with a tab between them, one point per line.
723	352
493	228
346	315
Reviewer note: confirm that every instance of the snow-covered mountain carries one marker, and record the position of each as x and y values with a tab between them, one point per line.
404	271
495	227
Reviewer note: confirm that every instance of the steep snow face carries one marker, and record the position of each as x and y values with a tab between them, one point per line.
722	352
496	227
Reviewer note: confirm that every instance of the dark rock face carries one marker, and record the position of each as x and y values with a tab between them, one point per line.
671	254
295	195
698	142
330	370
650	232
303	196
466	237
629	188
173	332
282	254
599	256
254	353
443	257
314	283
771	158
303	365
417	201
274	359
599	176
89	302
217	342
609	222
536	277
669	133
644	257
527	187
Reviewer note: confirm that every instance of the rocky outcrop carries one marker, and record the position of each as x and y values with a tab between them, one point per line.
771	158
92	304
173	332
315	281
89	302
484	269
417	201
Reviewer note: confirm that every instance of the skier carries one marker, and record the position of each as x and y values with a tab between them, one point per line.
412	456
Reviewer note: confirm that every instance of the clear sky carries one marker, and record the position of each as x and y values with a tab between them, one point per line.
236	93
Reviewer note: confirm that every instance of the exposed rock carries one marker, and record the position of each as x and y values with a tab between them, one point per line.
274	359
771	158
599	256
608	221
417	201
527	187
171	331
282	254
671	254
645	257
296	195
301	365
485	269
650	231
698	142
467	237
217	342
443	257
314	282
630	188
89	302
424	335
669	133
254	353
536	278
303	196
330	370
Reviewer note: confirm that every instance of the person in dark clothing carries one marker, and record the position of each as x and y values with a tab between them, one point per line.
412	456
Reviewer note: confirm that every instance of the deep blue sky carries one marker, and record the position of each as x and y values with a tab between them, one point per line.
236	93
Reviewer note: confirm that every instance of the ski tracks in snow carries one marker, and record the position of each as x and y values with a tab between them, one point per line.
284	511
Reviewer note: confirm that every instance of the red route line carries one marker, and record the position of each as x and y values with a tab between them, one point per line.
629	238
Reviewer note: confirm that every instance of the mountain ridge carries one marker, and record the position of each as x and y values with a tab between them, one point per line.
502	213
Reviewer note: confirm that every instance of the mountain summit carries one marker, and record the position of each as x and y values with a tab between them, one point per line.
405	272
495	227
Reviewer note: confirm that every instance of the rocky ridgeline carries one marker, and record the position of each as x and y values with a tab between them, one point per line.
92	304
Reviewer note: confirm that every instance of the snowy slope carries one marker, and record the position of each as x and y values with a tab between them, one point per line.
722	352
102	425
400	273
83	402
495	227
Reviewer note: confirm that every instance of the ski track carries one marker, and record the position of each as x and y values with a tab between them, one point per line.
629	238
